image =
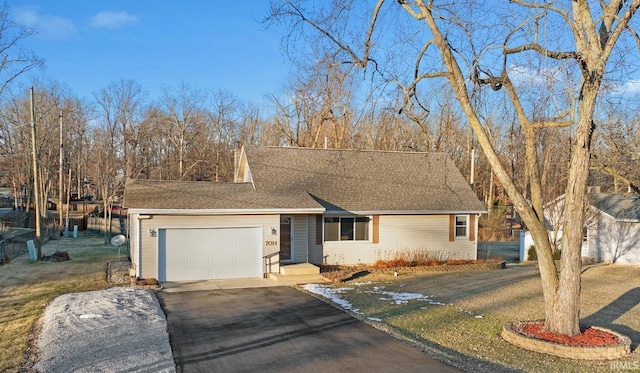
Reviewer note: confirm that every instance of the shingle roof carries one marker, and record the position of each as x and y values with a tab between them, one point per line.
619	206
202	195
360	181
337	180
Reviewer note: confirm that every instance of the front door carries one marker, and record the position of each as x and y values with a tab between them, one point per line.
285	238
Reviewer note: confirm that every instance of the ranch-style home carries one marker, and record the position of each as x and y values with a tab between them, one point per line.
300	205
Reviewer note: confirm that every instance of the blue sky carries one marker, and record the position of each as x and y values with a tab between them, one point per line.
207	44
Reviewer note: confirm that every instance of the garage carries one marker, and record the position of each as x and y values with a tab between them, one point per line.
186	254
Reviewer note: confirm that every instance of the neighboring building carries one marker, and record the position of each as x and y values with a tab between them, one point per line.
613	234
297	205
611	229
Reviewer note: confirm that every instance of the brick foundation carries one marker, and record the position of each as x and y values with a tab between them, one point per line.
510	333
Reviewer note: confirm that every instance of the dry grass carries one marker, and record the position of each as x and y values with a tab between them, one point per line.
26	288
610	298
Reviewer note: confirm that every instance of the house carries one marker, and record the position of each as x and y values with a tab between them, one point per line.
300	205
611	229
613	232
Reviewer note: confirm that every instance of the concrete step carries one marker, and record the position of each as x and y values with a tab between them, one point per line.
298	279
299	269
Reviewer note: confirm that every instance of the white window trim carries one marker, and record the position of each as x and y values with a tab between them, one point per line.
349	242
466	226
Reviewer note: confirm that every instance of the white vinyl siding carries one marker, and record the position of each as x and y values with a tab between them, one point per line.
134	241
299	239
402	233
315	248
613	241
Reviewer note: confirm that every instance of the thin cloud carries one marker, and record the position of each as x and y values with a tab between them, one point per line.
632	87
524	75
112	20
47	26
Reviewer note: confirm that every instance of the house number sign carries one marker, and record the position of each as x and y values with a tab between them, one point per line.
271	243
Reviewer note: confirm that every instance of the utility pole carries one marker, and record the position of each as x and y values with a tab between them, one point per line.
473	168
36	181
60	178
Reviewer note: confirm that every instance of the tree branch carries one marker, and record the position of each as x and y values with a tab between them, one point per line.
611	171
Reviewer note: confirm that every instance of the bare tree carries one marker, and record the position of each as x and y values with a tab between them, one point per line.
183	112
15	60
121	105
617	149
450	42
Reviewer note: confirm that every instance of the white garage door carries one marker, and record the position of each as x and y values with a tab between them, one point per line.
212	253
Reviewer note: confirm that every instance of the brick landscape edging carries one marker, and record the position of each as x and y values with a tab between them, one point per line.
510	334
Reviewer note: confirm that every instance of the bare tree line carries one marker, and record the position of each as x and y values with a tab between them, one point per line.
190	135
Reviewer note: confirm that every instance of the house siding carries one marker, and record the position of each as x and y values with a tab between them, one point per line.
147	261
299	241
399	233
134	238
314	242
613	241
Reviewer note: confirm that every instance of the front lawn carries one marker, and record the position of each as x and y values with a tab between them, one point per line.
458	316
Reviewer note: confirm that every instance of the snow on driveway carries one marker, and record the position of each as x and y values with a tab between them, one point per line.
113	330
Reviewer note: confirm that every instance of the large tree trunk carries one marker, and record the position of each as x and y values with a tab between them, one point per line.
566	312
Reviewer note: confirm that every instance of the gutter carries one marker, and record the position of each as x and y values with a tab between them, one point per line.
143	211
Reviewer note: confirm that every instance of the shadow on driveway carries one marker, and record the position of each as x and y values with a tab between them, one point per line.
279	329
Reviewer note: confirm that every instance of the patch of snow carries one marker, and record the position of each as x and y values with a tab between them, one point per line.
401	298
374	319
332	294
90	316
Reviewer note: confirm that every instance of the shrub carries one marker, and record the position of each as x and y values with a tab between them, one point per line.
531	254
458	261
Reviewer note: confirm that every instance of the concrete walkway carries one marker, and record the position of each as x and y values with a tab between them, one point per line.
236	283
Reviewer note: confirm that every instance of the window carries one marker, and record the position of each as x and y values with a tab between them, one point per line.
461	225
346	228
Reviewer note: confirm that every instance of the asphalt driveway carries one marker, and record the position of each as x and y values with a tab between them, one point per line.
279	329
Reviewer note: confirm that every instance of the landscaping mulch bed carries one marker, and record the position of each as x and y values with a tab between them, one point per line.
589	337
